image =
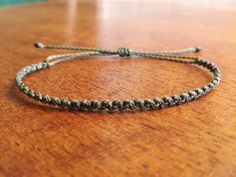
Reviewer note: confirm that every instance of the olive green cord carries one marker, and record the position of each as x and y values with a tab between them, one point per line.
121	105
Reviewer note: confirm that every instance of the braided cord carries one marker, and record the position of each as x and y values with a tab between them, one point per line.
121	105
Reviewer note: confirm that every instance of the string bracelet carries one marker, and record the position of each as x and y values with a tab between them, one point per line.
117	104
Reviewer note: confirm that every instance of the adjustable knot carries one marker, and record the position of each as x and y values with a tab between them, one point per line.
124	52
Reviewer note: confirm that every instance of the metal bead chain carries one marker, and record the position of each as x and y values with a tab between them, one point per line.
120	105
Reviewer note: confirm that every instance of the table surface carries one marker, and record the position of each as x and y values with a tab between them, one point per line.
194	139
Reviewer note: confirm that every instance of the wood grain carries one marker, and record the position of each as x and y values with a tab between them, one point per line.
192	140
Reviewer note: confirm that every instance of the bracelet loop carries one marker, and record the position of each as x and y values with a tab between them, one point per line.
121	105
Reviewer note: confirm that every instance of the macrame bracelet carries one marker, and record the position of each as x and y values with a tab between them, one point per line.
121	105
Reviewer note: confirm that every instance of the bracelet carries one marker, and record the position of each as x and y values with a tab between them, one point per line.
120	105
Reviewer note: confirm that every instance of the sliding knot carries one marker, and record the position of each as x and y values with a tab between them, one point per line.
124	52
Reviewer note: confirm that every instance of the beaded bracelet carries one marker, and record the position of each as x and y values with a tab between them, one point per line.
121	105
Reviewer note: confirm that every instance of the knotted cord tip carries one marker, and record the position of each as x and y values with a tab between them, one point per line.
198	49
38	45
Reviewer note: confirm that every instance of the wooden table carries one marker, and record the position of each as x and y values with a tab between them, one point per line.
194	139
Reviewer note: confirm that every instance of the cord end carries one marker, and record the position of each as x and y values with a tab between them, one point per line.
198	49
39	45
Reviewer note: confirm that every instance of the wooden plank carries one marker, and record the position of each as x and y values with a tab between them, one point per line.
194	139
